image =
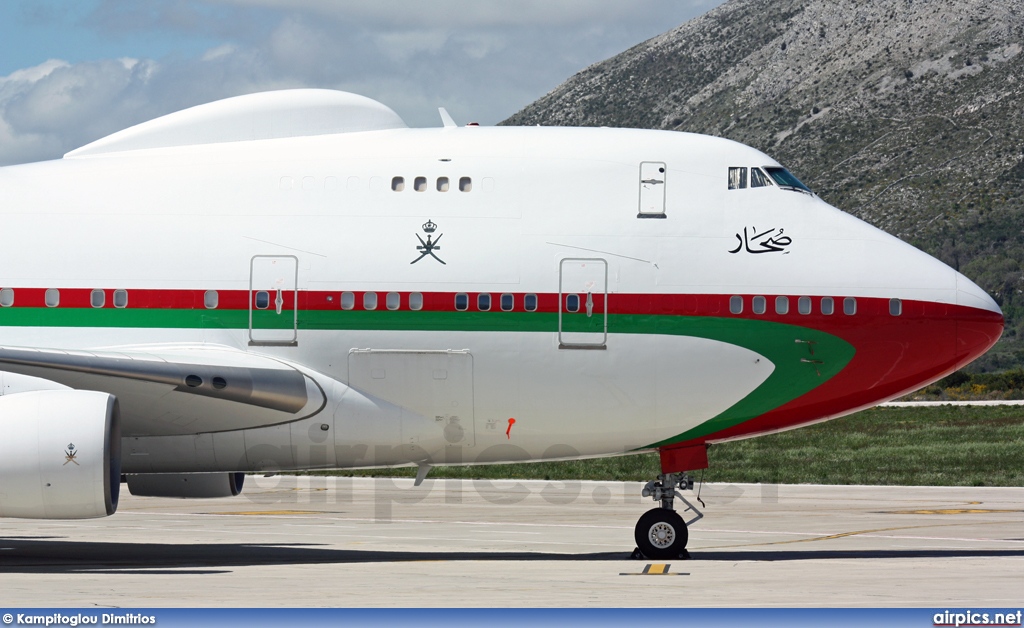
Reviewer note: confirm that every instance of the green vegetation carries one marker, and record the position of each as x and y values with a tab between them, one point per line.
934	446
963	385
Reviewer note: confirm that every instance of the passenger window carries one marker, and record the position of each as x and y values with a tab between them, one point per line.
483	302
758	179
572	303
828	306
120	298
211	299
348	300
530	303
398	184
508	302
803	305
98	298
415	300
420	184
736	305
760	304
849	306
895	307
465	184
52	297
737	178
7	297
462	302
393	301
262	300
442	184
782	305
369	300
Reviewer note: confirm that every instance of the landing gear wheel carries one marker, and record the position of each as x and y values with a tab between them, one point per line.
661	534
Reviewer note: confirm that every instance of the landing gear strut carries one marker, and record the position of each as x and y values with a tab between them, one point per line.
661	533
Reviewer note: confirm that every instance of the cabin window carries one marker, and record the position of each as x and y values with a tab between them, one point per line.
462	302
420	184
483	302
262	300
828	306
465	184
7	297
760	304
348	300
211	299
782	305
52	297
895	307
758	179
415	300
369	300
849	306
737	178
530	303
397	184
442	184
803	305
393	301
572	303
120	298
508	302
736	304
98	298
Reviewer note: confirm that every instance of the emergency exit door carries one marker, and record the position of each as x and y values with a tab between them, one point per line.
583	303
273	300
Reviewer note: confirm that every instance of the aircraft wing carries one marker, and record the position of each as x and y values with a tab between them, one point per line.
179	389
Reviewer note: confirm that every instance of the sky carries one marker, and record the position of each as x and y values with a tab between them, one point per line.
72	71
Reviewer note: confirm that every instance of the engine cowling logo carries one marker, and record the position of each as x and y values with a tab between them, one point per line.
70	454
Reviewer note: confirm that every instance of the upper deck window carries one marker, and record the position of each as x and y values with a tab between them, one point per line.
785	180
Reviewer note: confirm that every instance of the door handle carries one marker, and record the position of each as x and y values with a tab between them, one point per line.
590	304
279	301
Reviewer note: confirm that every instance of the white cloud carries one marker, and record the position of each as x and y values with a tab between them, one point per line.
481	60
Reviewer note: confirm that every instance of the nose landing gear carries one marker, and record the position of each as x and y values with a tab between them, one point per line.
661	532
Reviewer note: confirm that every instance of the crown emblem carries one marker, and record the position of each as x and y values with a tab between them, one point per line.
429	227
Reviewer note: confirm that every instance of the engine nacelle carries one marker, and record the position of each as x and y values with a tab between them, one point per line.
60	454
188	485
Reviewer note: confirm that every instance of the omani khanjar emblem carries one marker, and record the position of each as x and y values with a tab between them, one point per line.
70	455
430	245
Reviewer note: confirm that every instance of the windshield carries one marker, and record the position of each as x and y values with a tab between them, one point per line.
784	179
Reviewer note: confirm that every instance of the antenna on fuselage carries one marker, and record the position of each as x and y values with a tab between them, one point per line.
446	117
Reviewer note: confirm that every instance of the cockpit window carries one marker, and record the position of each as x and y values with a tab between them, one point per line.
737	178
758	179
785	180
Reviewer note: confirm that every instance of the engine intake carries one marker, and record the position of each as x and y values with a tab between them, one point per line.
60	454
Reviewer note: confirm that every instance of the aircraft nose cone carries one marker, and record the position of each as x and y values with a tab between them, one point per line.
979	321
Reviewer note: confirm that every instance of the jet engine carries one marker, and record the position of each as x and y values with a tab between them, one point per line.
60	454
189	485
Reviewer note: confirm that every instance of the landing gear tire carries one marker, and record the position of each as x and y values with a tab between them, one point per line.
662	534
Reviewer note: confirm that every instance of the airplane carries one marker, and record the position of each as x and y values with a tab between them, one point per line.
296	280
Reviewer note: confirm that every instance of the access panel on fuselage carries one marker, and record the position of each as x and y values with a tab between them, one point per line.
434	389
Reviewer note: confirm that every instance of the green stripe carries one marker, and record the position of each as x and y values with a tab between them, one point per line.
776	341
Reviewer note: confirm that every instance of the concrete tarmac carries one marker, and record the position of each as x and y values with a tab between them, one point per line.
318	541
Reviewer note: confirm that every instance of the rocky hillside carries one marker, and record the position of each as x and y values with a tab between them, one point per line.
906	113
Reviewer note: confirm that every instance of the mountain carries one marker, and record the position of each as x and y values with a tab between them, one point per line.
905	113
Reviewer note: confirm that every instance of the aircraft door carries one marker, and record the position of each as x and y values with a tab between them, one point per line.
273	300
583	303
652	189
